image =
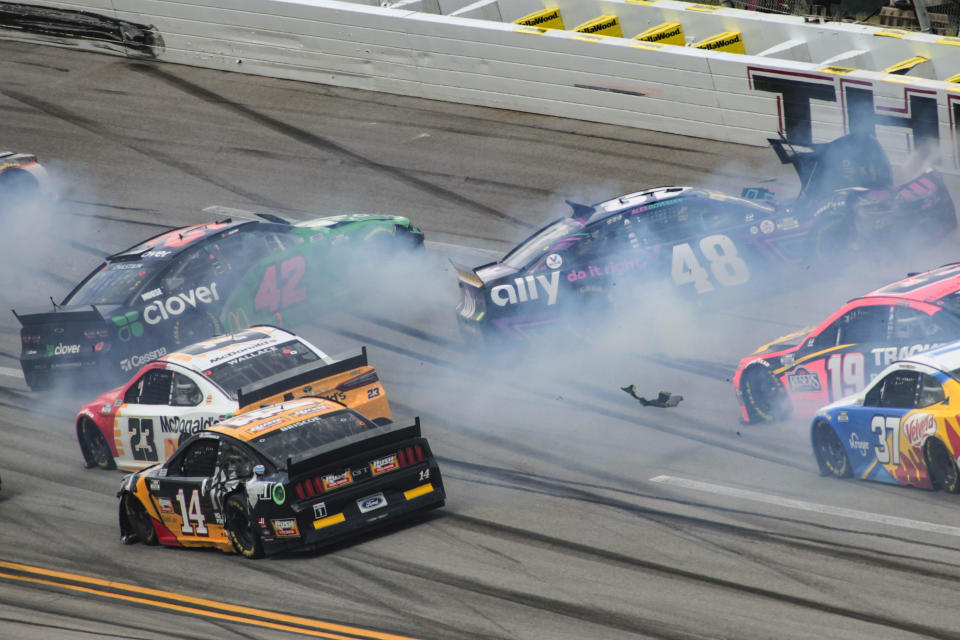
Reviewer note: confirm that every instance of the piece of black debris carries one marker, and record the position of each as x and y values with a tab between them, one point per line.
664	399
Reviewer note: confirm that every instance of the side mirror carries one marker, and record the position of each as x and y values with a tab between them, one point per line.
259	470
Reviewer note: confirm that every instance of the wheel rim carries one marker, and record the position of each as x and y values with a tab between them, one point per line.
943	468
138	518
97	446
831	450
763	392
239	526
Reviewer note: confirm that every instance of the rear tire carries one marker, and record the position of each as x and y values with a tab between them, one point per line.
140	522
941	466
763	396
831	456
96	451
237	523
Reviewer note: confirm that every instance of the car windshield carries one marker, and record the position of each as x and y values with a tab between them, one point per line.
248	368
305	438
540	242
116	282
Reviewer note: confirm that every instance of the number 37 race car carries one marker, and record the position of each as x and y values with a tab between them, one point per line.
298	474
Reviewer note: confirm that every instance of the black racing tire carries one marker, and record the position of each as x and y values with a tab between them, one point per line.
139	521
94	447
239	528
941	466
829	451
195	328
763	396
17	179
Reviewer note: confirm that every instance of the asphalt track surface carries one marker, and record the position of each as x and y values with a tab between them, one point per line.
573	512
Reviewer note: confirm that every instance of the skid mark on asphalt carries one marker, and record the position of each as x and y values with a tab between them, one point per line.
321	143
756	496
144	149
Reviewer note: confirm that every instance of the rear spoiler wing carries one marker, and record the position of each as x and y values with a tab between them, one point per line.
299	376
467	275
59	316
338	452
803	161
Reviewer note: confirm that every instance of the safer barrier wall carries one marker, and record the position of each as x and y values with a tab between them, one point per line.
809	81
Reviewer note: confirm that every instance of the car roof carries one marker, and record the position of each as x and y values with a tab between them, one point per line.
945	358
171	243
928	286
202	356
256	423
640	201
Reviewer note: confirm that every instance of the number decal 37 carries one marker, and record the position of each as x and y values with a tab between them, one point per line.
727	267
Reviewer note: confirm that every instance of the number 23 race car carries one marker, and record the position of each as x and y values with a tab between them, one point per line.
181	393
298	474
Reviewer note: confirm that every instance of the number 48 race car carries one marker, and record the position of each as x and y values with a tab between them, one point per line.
705	244
293	475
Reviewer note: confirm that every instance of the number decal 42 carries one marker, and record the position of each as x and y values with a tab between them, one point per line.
727	267
279	293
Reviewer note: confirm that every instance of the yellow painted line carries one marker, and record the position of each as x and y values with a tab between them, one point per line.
329	520
354	632
810	356
418	491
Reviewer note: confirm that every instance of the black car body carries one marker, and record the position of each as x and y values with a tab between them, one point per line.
187	284
707	244
293	476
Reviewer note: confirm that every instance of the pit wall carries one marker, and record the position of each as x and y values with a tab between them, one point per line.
809	81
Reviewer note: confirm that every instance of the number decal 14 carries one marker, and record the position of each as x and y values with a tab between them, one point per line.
194	522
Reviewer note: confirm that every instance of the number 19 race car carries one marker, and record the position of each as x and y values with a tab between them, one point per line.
181	393
701	241
901	429
293	475
185	285
814	366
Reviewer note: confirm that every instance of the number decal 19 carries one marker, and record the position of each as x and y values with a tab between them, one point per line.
847	374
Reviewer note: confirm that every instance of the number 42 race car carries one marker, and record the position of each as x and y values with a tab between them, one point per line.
298	474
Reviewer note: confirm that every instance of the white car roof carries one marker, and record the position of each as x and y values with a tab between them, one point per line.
945	358
205	355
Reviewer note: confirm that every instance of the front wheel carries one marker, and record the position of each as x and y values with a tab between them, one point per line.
195	329
96	451
763	396
831	456
941	466
237	522
139	521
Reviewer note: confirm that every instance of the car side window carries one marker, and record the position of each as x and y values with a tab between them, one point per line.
198	461
913	326
671	222
153	387
900	390
865	324
235	463
186	393
931	391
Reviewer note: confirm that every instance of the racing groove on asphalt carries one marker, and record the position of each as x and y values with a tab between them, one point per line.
552	527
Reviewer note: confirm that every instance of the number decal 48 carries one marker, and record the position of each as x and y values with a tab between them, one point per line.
727	267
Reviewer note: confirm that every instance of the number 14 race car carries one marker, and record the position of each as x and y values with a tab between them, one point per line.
181	393
703	242
298	474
